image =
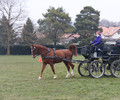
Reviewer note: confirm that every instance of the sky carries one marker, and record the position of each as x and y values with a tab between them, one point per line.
109	9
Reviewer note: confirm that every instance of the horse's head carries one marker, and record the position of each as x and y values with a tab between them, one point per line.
34	51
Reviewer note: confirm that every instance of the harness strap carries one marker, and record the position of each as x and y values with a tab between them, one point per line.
46	57
49	51
54	52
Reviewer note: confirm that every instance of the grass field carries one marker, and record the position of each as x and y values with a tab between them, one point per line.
18	81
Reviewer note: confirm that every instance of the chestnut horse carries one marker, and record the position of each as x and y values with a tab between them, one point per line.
51	56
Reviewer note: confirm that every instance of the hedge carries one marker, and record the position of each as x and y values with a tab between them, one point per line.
22	50
25	50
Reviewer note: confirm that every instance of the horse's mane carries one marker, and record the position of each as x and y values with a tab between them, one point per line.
40	46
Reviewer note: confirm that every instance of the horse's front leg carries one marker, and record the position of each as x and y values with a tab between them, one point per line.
43	67
52	67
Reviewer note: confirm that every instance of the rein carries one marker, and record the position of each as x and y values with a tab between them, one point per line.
47	52
44	52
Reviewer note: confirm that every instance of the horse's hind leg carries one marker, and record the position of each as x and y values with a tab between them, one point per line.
68	69
52	67
72	66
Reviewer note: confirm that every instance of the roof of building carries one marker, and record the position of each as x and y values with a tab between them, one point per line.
70	35
76	35
109	31
38	35
64	36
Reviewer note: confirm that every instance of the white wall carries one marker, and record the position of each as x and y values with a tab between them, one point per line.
111	39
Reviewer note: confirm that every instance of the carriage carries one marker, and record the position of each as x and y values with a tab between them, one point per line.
106	62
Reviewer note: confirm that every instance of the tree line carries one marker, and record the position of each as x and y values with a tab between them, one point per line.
55	23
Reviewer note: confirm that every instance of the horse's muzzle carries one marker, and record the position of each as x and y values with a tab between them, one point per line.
34	56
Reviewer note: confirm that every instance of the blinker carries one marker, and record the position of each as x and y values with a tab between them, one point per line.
34	49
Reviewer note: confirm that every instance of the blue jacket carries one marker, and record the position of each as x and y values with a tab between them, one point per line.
97	40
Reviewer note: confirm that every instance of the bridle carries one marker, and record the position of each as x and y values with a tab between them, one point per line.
33	49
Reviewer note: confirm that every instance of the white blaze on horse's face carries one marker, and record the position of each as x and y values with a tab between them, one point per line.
33	51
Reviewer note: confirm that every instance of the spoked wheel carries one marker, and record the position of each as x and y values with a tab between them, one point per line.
107	70
83	69
115	68
96	69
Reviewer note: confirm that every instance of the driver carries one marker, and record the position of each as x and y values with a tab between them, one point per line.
97	39
96	42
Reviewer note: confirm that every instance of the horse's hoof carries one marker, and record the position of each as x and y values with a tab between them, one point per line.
39	78
67	76
55	77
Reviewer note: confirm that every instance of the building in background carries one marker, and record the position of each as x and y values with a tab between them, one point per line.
64	39
67	38
111	34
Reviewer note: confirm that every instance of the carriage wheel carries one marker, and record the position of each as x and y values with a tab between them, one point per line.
96	69
115	68
107	70
83	69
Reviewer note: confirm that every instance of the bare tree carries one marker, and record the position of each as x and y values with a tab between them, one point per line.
12	10
107	23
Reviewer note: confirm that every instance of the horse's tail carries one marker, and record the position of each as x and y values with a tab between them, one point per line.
73	49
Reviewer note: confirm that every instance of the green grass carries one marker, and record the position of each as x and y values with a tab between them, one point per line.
19	74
